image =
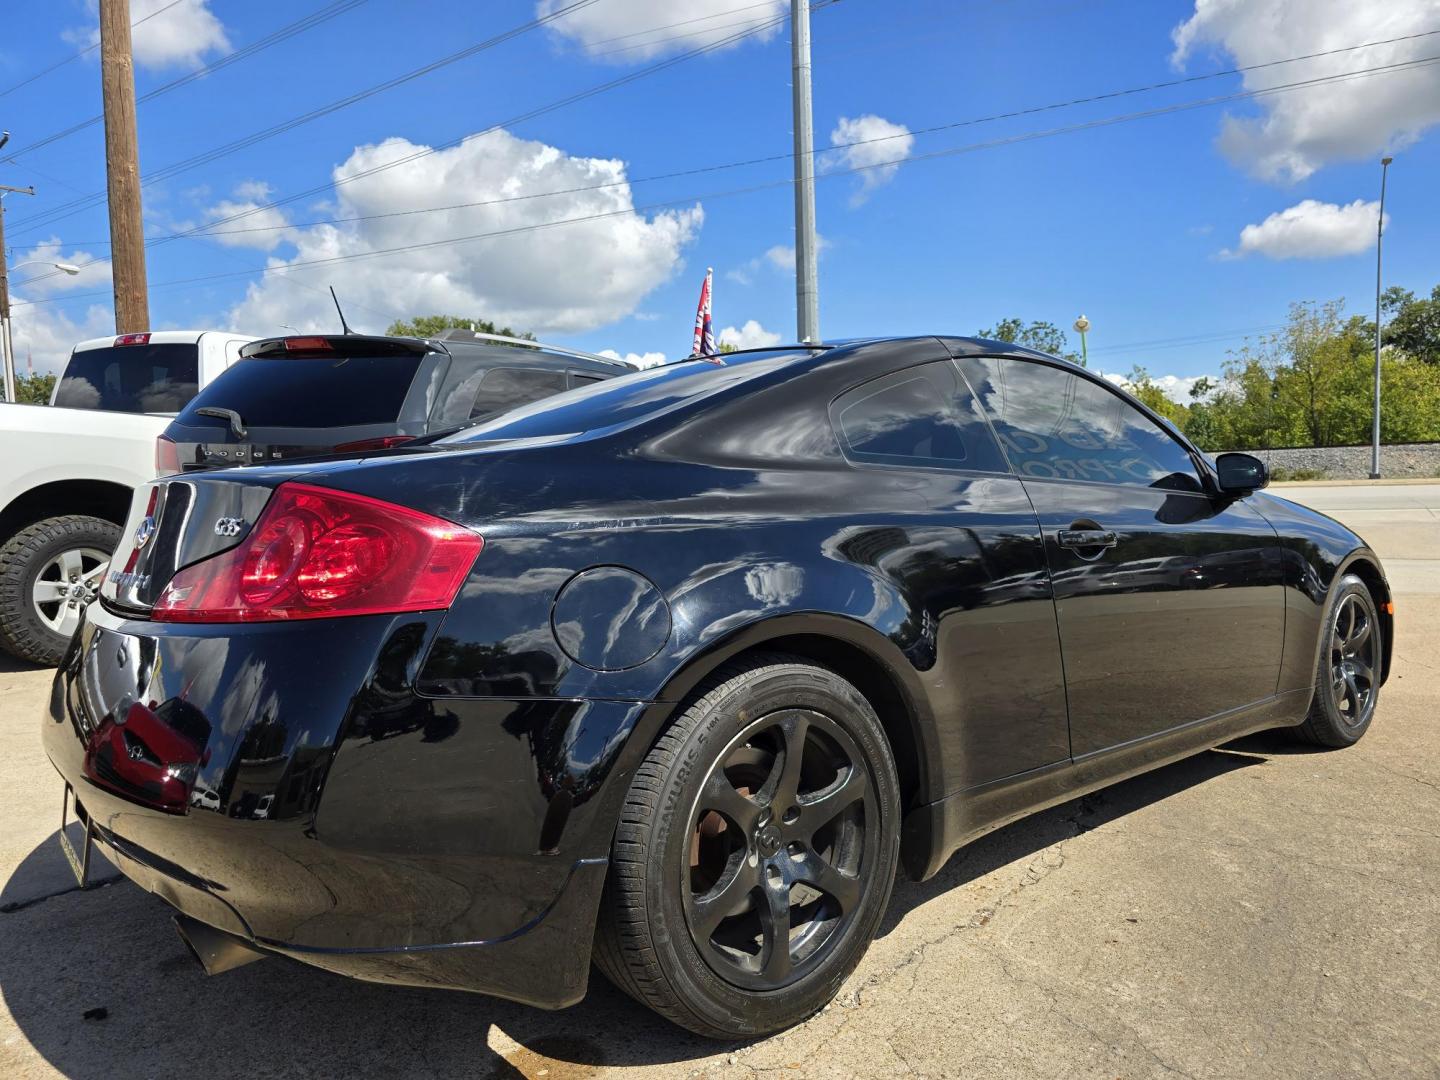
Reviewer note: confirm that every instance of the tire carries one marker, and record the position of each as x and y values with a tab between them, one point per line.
41	553
1347	676
687	921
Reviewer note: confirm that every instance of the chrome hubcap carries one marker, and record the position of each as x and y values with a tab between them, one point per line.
65	585
780	836
1352	660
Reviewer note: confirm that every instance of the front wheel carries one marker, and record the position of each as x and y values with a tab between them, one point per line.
755	852
48	572
1347	678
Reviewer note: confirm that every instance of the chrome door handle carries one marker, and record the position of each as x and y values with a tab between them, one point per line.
1086	539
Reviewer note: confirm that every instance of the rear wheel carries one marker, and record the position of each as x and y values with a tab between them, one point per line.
48	572
755	852
1347	680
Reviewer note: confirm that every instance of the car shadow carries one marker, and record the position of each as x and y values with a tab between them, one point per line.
99	983
1027	837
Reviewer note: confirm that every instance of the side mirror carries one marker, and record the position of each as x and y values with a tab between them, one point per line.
1240	474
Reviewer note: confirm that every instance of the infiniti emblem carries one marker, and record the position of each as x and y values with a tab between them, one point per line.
144	532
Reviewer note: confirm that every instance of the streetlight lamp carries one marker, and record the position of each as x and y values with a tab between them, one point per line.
69	269
1379	239
1082	324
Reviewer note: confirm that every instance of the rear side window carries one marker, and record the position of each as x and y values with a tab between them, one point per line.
130	378
1058	424
921	416
311	392
502	389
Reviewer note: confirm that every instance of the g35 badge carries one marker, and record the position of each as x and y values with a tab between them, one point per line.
229	526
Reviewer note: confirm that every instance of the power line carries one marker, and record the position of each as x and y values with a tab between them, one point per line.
933	155
314	19
510	122
75	206
210	230
1186	341
83	52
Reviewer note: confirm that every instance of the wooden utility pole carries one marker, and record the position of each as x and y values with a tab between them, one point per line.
122	167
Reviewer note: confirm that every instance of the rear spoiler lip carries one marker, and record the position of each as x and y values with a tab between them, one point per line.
341	345
477	337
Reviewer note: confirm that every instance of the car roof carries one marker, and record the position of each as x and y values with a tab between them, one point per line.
539	356
158	337
511	352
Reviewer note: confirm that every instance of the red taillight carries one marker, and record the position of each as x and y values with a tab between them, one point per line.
383	442
306	344
167	456
133	339
317	553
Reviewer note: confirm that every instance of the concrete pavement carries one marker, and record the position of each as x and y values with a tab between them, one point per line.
1262	910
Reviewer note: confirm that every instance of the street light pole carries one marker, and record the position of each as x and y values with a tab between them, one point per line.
5	347
1082	326
8	345
807	289
1379	240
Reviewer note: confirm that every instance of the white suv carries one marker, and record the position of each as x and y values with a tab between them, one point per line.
69	469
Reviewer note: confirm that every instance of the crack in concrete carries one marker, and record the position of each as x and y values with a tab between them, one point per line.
1404	775
1053	998
1044	863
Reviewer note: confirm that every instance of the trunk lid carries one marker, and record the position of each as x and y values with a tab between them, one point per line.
177	521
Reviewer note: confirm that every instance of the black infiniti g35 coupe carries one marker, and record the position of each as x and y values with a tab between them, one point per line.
670	672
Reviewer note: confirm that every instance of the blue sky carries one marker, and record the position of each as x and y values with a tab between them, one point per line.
1141	224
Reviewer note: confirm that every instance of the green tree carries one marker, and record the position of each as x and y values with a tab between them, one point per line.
1148	391
726	347
1413	325
424	326
1043	337
34	389
1311	384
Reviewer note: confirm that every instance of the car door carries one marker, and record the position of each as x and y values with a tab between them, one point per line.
971	562
1168	597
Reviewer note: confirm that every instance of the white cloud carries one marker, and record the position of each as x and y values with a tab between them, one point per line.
44	335
780	257
265	229
1297	132
178	36
878	141
1175	387
566	279
750	336
46	280
634	30
1311	230
643	360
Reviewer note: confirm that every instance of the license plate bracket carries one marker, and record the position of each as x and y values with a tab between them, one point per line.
79	863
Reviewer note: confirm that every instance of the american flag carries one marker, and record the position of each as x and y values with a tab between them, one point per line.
703	344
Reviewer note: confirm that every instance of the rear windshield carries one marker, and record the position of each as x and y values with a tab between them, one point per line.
624	399
310	392
131	378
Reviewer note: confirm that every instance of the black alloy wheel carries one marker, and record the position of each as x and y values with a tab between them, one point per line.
779	844
1348	676
755	852
1352	660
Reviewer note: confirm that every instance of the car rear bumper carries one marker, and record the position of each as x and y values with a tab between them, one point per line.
284	783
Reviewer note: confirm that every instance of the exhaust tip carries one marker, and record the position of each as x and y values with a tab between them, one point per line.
215	950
